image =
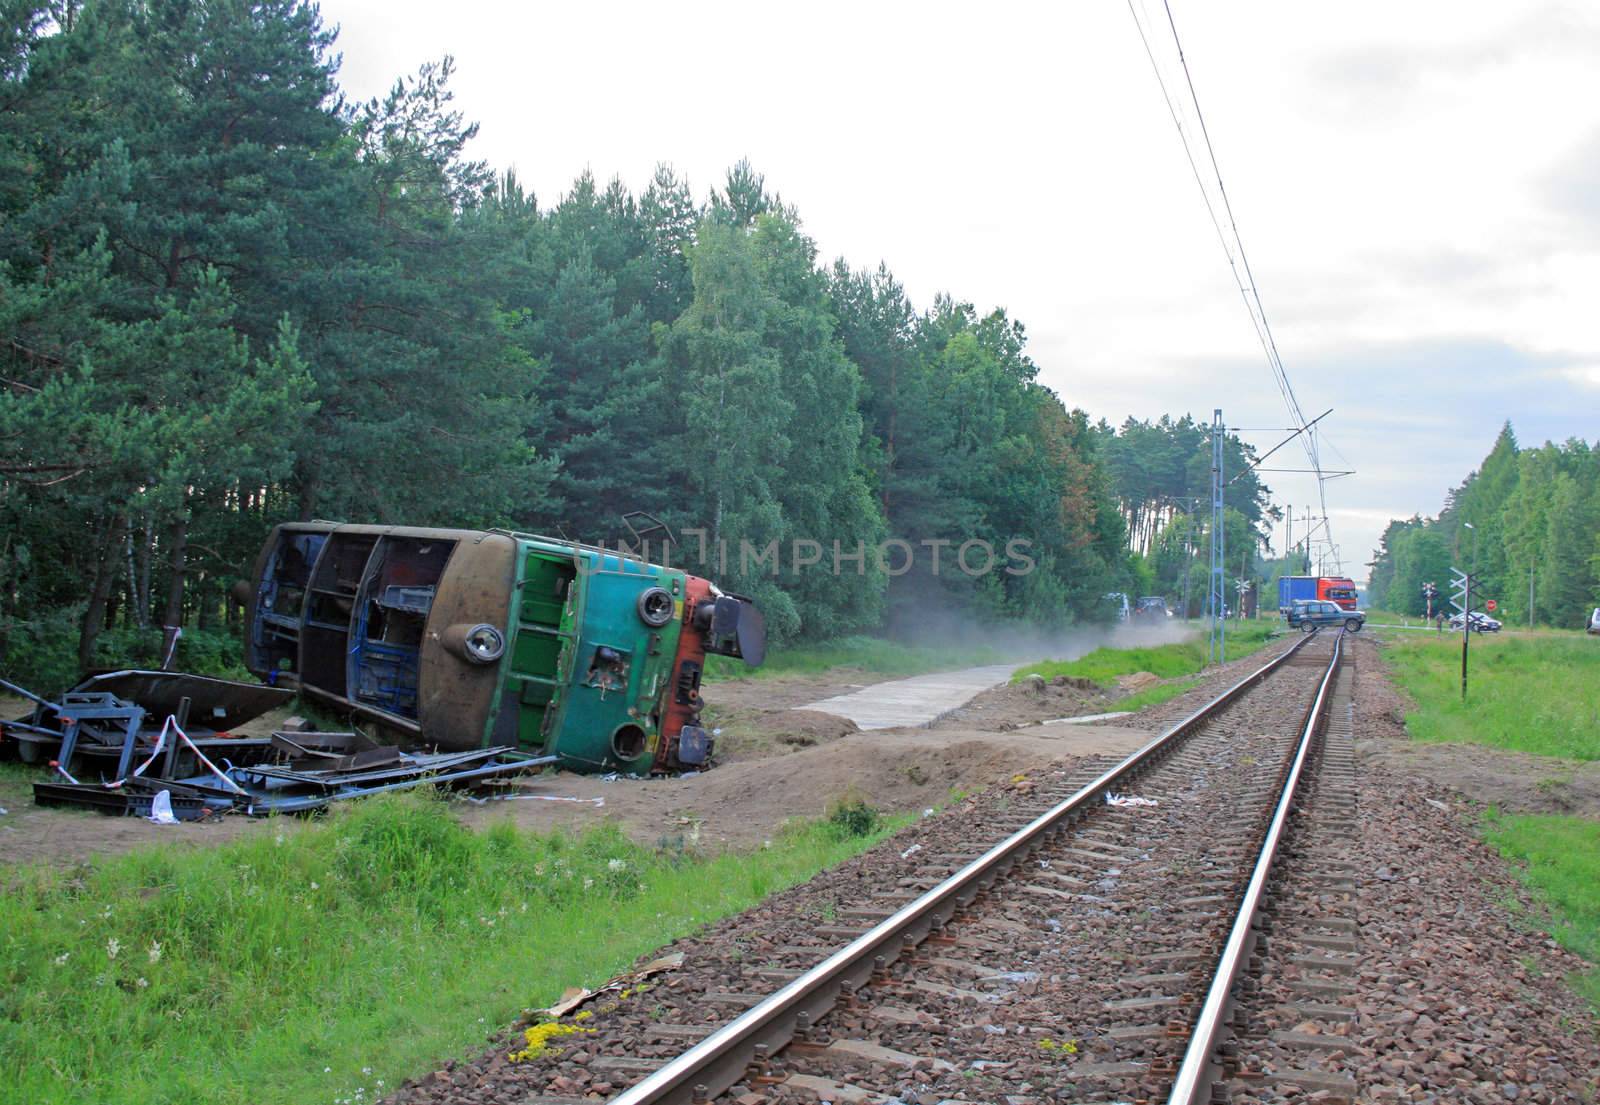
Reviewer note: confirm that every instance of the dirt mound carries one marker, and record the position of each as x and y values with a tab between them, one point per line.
1137	681
748	733
803	728
1028	702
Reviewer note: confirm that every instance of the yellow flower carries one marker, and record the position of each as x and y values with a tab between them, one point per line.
539	1036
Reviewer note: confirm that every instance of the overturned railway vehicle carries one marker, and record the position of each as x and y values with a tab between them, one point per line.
462	639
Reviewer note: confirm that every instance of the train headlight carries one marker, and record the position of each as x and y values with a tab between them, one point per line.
655	606
481	643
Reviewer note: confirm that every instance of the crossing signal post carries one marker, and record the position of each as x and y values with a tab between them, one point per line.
1461	585
1429	593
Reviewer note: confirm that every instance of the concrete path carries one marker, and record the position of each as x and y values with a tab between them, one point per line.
914	701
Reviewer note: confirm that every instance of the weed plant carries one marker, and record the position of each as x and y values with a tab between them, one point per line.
852	816
327	961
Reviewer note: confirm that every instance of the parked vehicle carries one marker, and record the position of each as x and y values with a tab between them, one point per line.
1481	623
1594	622
1117	604
1152	608
1309	614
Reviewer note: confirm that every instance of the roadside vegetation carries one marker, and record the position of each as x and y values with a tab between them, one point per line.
1536	693
329	960
1559	857
1105	665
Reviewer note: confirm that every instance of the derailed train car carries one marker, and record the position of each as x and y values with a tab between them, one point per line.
464	639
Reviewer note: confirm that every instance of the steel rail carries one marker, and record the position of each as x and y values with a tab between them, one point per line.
722	1058
1202	1065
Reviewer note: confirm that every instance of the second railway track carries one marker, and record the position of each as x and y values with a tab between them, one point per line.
1064	948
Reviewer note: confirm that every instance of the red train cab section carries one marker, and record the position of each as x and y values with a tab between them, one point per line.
714	623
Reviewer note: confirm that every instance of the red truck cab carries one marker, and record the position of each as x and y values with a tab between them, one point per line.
1337	589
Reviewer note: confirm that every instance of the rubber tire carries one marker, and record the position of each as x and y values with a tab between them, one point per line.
1307	627
1353	624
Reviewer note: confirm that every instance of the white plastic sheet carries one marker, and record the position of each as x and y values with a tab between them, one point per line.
161	809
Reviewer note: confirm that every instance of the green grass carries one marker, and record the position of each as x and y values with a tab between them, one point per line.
1560	858
867	654
310	960
1536	693
1104	665
1152	696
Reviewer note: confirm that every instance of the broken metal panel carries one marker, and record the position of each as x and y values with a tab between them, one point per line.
422	771
218	704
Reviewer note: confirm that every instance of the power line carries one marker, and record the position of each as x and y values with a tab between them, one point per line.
1205	193
1232	242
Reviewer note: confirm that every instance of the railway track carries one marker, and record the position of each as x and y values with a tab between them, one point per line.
1113	936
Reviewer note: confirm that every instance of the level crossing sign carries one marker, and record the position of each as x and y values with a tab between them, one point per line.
1460	588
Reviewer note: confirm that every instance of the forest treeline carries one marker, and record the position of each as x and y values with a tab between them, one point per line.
229	296
1526	523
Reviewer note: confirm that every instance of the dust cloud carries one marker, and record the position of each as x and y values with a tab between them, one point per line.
928	625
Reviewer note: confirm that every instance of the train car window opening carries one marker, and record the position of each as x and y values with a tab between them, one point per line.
274	638
394	596
325	639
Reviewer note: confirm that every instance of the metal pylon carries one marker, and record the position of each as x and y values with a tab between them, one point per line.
1216	597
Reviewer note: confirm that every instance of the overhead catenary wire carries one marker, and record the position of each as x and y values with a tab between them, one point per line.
1232	242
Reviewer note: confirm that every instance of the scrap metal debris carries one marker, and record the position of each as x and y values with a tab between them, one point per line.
108	716
206	772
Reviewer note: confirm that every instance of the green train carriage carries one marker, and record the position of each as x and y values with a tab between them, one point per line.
462	639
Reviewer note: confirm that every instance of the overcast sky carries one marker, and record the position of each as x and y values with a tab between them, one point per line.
1418	187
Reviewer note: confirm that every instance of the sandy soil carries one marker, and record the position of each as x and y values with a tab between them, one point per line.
744	802
1514	781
